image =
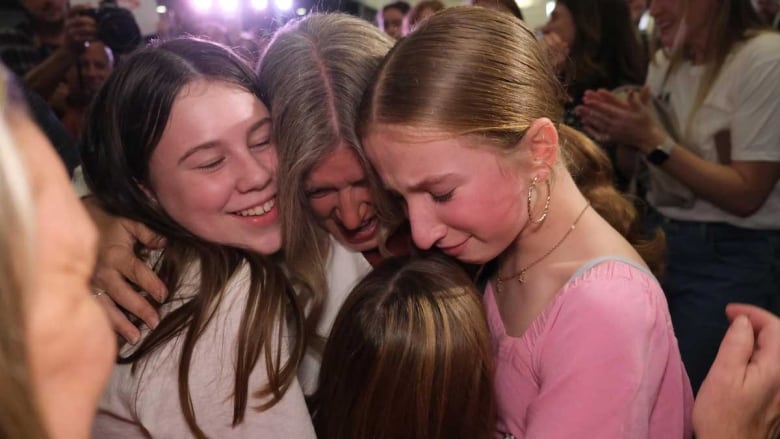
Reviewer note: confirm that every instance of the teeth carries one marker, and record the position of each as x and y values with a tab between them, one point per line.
258	210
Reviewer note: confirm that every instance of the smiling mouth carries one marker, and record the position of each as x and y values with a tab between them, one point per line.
364	232
259	210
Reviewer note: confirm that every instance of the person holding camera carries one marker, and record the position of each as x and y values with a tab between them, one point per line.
43	49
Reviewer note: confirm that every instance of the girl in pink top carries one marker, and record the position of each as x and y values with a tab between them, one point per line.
464	122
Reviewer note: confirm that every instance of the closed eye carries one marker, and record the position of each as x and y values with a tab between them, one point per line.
212	164
319	193
442	198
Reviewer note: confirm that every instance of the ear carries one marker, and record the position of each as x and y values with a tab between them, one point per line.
541	141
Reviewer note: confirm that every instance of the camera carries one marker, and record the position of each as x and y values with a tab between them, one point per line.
116	27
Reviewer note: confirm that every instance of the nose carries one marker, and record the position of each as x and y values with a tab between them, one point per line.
427	229
351	209
254	173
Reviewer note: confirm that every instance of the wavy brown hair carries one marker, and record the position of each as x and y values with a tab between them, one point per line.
409	357
127	119
607	51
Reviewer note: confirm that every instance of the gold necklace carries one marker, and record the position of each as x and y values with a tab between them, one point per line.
520	275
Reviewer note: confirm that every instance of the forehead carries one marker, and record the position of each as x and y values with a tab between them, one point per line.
339	165
407	156
210	111
207	104
96	51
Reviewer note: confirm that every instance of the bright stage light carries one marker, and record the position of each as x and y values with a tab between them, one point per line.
259	5
161	9
301	11
284	5
201	5
228	6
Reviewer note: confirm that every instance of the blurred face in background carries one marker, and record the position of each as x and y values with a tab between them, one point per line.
666	14
637	8
96	64
393	22
562	24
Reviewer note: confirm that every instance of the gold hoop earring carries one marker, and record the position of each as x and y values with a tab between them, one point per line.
531	190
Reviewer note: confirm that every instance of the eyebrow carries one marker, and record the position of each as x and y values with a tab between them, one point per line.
428	182
211	144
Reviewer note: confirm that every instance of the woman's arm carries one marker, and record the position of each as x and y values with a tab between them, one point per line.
739	187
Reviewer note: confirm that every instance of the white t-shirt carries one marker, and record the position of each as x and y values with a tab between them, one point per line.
146	404
745	100
345	269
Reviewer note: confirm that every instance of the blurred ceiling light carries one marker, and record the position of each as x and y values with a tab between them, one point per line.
284	5
259	5
201	5
301	11
161	9
228	6
524	3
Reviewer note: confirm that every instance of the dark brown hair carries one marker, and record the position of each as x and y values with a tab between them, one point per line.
409	357
607	51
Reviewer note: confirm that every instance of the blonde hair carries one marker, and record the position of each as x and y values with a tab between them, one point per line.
315	71
409	356
453	75
735	22
19	416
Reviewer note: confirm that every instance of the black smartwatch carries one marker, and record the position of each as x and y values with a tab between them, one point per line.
660	154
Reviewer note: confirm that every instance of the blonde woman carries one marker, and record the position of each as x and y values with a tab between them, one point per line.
475	146
715	163
56	347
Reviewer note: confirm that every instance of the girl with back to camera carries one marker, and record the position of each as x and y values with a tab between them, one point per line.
222	361
475	146
409	357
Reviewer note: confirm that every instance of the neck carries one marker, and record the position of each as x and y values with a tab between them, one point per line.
535	241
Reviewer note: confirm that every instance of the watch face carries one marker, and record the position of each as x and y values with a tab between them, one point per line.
657	156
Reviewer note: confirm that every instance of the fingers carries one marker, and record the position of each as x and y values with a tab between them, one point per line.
121	293
143	234
759	317
766	327
119	322
735	351
605	97
118	264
